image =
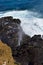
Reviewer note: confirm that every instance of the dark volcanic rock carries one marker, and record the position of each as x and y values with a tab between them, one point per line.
17	21
36	40
26	50
12	34
9	30
24	54
30	52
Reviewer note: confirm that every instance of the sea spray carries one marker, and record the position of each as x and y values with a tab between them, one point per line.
20	35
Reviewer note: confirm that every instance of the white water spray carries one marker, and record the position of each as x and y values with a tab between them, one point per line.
20	34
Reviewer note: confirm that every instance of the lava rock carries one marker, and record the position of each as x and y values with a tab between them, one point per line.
30	52
25	49
9	31
12	34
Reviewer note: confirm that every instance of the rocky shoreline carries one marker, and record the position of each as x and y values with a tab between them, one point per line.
25	49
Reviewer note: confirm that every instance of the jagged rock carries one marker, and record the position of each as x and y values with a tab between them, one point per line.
17	21
10	28
36	40
30	52
24	54
25	50
12	34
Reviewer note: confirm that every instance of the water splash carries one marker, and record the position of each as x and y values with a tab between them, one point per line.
20	34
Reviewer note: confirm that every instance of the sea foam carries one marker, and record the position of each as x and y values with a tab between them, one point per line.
31	22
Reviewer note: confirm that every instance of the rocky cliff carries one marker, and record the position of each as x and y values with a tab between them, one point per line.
26	50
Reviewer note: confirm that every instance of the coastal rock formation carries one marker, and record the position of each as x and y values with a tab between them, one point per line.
11	33
26	50
30	53
37	42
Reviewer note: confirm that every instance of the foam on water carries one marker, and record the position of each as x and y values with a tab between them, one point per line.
30	21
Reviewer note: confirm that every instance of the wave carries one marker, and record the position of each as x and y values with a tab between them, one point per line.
30	21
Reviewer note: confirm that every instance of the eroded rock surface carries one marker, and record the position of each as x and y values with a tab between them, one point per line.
11	33
25	50
6	55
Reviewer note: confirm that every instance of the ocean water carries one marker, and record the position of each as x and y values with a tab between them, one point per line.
30	12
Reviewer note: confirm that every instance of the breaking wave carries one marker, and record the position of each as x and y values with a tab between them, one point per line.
31	22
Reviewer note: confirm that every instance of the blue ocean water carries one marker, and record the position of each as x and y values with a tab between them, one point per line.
30	12
35	5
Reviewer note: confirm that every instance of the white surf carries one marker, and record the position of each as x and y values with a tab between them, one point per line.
30	21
